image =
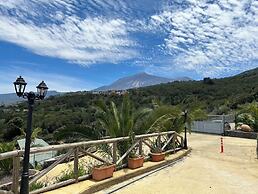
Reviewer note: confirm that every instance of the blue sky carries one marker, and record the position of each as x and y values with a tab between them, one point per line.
83	44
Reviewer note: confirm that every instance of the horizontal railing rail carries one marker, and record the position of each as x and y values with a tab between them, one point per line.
77	150
19	153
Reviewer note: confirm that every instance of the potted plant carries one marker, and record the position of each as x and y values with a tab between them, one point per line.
102	172
134	160
156	152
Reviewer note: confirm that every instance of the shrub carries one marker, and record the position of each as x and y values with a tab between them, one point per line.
208	80
13	128
199	115
7	164
37	185
249	114
69	173
246	118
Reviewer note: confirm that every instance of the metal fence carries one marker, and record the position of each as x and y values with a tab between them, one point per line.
215	124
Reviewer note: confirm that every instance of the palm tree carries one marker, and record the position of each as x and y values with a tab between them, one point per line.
35	133
167	117
119	122
126	120
163	118
74	132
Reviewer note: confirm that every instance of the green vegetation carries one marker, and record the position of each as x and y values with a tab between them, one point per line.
74	117
223	96
13	128
248	114
84	115
126	120
7	164
69	173
155	146
120	121
133	153
165	118
37	185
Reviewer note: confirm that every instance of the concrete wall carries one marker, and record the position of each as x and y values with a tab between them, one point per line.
233	133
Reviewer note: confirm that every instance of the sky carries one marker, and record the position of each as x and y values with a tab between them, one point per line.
82	44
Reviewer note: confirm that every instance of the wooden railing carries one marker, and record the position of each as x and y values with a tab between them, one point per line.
169	142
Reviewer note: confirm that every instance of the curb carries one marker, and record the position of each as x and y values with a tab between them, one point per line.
113	181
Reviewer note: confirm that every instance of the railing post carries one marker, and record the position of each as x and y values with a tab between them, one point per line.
76	164
257	147
174	142
159	141
114	154
140	147
16	174
182	144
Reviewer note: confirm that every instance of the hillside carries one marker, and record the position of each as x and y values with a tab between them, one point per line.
11	98
76	110
138	80
229	92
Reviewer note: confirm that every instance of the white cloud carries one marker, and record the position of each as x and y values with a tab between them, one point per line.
212	38
78	40
10	3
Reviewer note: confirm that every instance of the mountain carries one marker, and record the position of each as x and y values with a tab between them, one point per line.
12	98
138	80
215	95
76	110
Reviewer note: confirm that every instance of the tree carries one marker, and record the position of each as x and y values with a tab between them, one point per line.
73	132
13	128
208	80
35	133
248	114
126	120
198	115
120	122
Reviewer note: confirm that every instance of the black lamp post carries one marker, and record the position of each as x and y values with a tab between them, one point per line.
42	88
185	120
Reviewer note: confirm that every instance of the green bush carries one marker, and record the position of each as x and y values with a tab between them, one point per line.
199	115
13	128
37	185
69	173
65	175
246	118
248	114
7	164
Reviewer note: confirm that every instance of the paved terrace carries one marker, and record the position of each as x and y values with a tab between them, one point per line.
205	170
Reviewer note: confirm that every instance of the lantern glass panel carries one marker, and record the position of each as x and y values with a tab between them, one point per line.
20	86
42	90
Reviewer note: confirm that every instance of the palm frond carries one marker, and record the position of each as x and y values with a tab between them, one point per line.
159	124
36	132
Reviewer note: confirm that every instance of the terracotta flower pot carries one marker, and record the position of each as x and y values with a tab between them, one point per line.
156	157
103	172
134	163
